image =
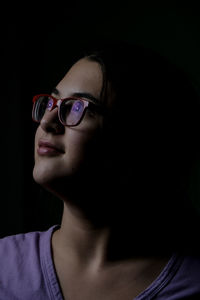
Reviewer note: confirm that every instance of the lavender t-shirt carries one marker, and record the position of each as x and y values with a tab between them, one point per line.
27	272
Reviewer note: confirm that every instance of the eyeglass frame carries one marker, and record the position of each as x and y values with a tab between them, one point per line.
57	103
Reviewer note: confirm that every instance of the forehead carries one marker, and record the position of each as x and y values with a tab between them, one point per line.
83	76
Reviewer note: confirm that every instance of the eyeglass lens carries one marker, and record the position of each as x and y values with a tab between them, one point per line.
71	110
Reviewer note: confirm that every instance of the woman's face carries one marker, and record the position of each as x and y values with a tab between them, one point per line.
74	144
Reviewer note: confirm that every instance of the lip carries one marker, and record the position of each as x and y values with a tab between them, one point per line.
49	149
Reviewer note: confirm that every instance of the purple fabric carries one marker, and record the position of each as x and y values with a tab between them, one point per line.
27	272
26	267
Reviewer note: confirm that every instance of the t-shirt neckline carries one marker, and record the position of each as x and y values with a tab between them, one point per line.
53	283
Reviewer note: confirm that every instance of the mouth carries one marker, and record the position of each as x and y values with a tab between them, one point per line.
46	148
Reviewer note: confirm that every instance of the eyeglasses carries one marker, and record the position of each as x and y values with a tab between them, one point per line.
70	110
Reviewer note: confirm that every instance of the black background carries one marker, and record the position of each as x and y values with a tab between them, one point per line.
31	38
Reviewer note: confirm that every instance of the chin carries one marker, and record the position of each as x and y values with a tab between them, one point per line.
53	184
42	175
48	175
39	178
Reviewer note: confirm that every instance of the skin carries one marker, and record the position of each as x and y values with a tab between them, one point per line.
72	140
82	251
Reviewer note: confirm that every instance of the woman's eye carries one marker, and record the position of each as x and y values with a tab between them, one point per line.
49	104
77	106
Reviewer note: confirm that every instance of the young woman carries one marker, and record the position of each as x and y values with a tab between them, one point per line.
117	142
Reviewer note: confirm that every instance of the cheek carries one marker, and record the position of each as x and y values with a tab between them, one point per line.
86	133
37	136
82	144
77	144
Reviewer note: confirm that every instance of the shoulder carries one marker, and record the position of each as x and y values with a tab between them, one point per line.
18	249
190	268
185	283
21	263
19	244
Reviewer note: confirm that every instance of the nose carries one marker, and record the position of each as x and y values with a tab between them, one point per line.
51	123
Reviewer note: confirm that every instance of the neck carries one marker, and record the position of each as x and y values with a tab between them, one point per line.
81	238
95	246
108	227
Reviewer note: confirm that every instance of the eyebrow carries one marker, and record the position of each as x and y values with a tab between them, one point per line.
55	91
80	95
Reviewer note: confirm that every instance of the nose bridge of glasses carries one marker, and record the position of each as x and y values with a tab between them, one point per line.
58	102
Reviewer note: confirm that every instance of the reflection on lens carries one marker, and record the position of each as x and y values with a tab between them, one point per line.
77	106
50	103
71	111
39	107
